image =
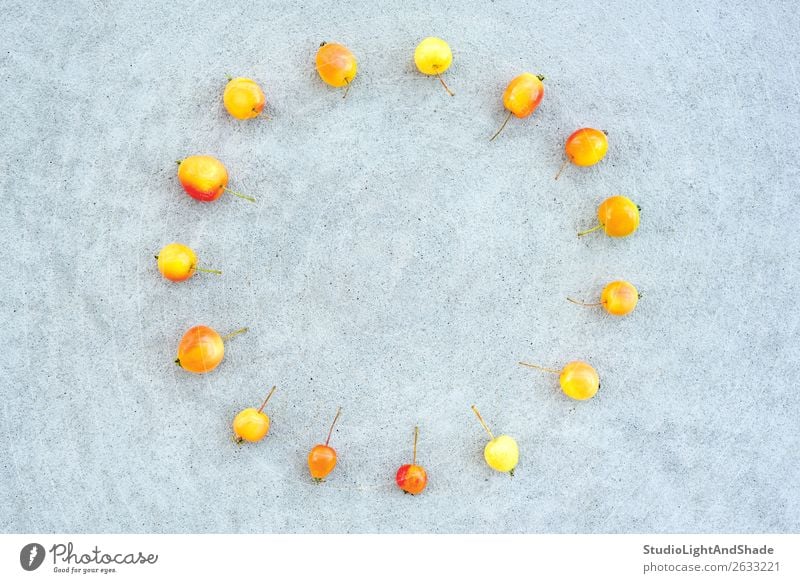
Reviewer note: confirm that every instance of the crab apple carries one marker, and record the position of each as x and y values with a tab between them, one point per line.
619	298
502	452
585	147
412	478
243	98
578	379
201	349
252	424
336	65
322	457
205	178
433	57
617	215
521	98
178	262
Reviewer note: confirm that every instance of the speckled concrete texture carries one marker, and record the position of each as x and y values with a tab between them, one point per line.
399	265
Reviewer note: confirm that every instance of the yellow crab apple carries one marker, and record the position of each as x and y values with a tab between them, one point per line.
252	424
243	98
433	57
579	380
619	298
502	452
178	262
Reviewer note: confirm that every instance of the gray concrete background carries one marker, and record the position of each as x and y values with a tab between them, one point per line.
398	264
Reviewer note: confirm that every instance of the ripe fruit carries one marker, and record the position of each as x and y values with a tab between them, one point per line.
412	478
177	262
204	178
336	65
433	57
243	98
252	424
619	298
502	452
201	349
578	379
585	147
618	216
322	458
521	97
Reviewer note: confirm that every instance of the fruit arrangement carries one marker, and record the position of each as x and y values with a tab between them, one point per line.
205	179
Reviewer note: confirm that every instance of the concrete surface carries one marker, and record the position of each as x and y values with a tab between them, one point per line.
398	264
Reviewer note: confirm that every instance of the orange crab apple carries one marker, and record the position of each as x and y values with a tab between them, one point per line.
205	178
617	215
243	98
202	349
521	97
336	65
578	379
322	457
412	478
618	298
252	424
178	262
585	147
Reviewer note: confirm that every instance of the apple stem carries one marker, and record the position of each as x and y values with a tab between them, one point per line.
204	270
584	304
235	333
497	133
416	436
486	427
545	369
560	170
592	230
239	194
264	404
346	87
446	88
330	431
